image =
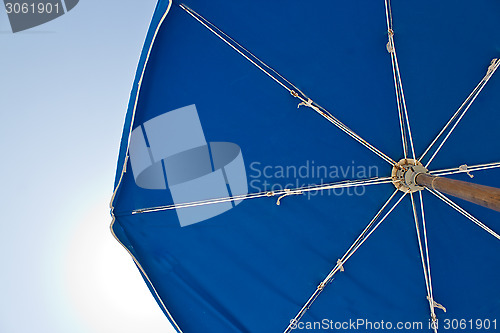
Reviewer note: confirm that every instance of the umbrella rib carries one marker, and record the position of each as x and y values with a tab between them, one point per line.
459	114
424	226
404	121
462	211
466	168
401	123
328	116
424	256
280	193
282	81
365	234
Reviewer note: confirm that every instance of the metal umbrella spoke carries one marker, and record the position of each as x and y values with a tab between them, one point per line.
424	226
365	234
404	122
458	115
328	116
424	256
283	82
466	168
462	211
266	194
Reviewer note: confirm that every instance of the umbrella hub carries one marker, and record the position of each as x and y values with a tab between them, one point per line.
404	174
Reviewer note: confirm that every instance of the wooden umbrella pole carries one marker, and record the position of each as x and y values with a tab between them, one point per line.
485	196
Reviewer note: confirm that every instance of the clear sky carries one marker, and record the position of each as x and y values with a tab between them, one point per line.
64	89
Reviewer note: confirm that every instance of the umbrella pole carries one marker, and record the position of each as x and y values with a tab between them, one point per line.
485	196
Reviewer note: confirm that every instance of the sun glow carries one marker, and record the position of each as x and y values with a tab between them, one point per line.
103	284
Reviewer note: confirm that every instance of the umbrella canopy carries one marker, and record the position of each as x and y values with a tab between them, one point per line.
245	213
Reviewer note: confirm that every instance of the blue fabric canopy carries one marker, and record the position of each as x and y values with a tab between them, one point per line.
205	123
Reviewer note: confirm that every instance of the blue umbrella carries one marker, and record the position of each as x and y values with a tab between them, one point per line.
259	185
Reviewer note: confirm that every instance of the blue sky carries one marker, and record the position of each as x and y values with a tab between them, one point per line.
64	90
